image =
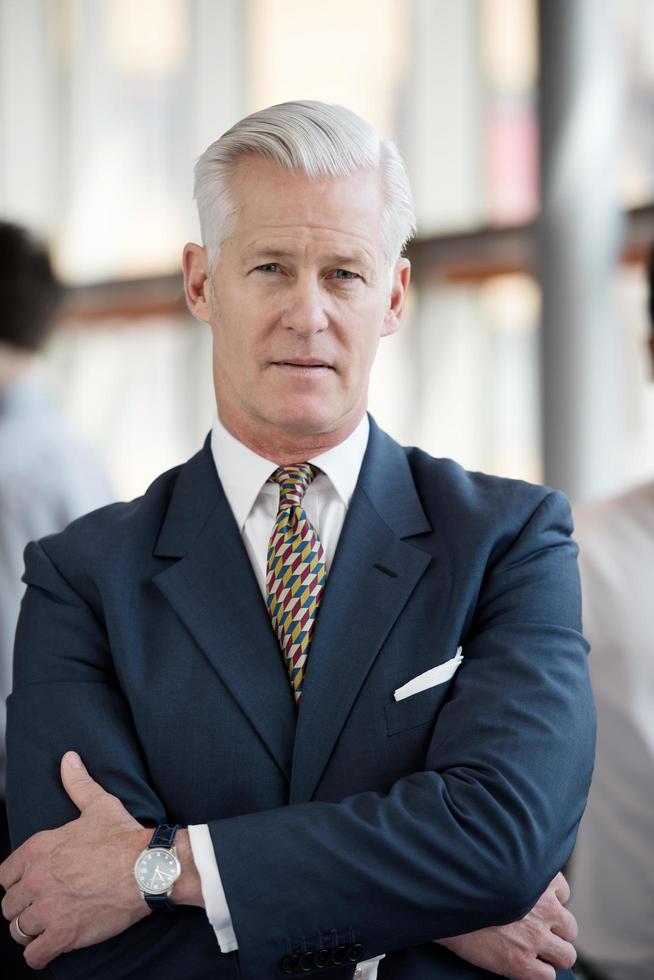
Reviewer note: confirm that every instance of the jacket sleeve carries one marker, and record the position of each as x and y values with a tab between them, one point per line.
473	839
66	696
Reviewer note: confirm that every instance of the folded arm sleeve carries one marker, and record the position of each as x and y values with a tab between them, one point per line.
475	838
66	696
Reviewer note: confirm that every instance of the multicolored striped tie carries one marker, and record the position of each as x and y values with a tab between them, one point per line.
296	573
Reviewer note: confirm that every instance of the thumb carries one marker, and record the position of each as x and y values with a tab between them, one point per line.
78	784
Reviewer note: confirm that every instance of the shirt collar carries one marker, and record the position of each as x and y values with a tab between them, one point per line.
243	473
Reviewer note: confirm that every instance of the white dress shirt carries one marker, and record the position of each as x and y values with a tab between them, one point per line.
612	870
254	503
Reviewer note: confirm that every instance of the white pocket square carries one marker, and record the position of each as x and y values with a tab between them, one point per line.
430	678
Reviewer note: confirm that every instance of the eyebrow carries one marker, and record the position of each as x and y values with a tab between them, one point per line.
350	258
336	259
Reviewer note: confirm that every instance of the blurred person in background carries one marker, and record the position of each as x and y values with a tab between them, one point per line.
346	796
47	477
612	870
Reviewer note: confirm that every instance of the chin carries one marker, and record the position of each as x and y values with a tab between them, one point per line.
301	413
307	420
306	424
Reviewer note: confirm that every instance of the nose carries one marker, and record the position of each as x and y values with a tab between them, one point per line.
305	311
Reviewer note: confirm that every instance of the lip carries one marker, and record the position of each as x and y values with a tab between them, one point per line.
303	364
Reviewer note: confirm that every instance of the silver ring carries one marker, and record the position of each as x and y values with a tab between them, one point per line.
23	935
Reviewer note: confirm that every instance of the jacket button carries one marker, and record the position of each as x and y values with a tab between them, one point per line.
322	958
338	955
307	961
355	952
290	964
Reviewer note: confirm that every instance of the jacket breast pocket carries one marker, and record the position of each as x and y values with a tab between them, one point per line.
418	709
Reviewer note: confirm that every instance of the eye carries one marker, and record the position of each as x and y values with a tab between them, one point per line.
344	275
268	267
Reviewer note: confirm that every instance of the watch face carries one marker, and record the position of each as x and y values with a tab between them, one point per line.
156	870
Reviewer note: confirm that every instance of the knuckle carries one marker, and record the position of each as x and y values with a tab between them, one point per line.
63	938
571	927
36	843
562	882
27	882
30	883
551	905
568	958
43	909
69	940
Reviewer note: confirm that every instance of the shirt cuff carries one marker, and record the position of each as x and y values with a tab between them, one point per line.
213	893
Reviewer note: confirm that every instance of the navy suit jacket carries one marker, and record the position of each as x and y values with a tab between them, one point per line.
145	644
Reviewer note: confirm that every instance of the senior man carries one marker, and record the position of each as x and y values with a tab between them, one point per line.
351	672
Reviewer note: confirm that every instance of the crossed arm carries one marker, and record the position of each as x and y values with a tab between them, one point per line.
73	887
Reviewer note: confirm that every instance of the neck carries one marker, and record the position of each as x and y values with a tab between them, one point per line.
287	448
14	363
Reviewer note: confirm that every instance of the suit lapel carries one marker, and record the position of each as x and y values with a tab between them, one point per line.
213	590
373	574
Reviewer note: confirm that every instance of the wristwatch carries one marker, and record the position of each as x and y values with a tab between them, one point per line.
157	868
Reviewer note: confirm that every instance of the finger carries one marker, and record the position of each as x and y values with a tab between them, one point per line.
15	901
41	951
31	932
15	935
561	888
78	784
558	953
11	870
566	927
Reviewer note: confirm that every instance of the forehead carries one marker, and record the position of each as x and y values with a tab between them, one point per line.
270	201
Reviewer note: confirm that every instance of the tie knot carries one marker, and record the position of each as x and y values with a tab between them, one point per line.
293	482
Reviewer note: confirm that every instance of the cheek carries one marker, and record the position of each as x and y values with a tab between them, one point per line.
233	336
365	342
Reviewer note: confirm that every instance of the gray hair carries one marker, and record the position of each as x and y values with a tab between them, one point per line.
313	138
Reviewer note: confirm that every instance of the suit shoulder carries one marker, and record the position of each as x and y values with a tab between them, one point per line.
118	528
476	496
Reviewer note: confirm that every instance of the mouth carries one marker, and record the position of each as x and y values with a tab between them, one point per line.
303	365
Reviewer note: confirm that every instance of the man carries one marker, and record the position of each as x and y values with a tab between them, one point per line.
392	793
47	478
613	865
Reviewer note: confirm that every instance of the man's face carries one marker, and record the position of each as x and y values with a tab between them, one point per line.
300	296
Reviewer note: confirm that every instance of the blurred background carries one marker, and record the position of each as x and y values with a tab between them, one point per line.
498	107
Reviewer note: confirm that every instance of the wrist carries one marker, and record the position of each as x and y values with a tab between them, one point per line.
188	887
138	841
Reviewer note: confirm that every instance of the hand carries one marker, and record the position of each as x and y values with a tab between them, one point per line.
532	948
74	886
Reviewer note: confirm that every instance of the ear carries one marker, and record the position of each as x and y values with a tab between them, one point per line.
399	287
196	281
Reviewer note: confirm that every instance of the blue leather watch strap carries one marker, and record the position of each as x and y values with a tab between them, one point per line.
159	903
164	835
